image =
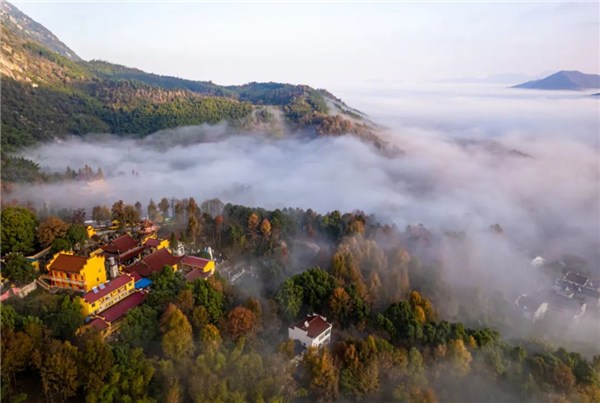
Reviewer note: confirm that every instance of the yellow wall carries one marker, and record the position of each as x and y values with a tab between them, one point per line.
108	300
164	243
93	272
90	231
210	267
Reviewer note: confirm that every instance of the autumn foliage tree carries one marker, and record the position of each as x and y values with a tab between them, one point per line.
177	339
240	322
51	229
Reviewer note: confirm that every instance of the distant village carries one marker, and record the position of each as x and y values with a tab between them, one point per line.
569	297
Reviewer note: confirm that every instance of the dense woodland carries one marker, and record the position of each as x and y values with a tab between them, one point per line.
210	340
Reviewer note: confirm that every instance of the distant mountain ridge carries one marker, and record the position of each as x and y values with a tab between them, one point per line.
14	20
564	80
49	92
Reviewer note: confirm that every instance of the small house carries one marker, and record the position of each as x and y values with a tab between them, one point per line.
313	331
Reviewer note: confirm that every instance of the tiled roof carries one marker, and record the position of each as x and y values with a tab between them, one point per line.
576	278
196	274
196	262
99	324
153	242
109	287
132	253
68	263
153	263
118	310
121	244
316	326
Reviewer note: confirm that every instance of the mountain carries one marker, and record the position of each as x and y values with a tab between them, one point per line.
15	22
48	92
564	80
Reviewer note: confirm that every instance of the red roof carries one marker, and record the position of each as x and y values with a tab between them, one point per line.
109	287
316	326
154	263
68	263
195	262
99	324
121	244
196	274
118	310
135	275
132	253
153	242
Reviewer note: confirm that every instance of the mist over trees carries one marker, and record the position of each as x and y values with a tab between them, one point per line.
215	340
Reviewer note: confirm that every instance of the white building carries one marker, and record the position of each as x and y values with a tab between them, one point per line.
313	331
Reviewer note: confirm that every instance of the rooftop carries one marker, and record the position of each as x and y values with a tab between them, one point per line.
314	325
195	262
153	263
576	278
106	288
120	244
68	263
99	324
153	242
118	310
196	274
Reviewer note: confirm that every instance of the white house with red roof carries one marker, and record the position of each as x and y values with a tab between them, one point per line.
313	331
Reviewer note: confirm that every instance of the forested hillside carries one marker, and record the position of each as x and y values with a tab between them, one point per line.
221	339
48	92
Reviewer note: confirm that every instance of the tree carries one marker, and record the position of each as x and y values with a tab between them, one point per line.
323	384
290	297
62	316
139	327
76	234
101	214
17	349
18	230
340	305
219	229
460	357
240	322
138	208
50	229
265	229
177	340
59	245
78	216
117	212
164	206
179	213
18	269
130	216
152	210
214	207
57	364
95	360
253	221
210	338
193	227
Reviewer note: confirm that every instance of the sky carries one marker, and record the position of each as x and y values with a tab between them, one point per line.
333	44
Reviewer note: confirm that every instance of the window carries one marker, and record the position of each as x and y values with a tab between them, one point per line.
93	305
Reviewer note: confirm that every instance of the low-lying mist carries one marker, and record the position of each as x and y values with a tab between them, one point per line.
528	161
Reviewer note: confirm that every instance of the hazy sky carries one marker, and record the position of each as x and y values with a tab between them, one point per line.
333	44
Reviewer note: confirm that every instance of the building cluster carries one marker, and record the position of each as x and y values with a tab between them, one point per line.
115	277
571	295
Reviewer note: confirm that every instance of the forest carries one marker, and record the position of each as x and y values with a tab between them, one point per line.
217	340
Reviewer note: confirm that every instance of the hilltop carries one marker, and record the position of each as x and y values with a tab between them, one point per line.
49	92
564	80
